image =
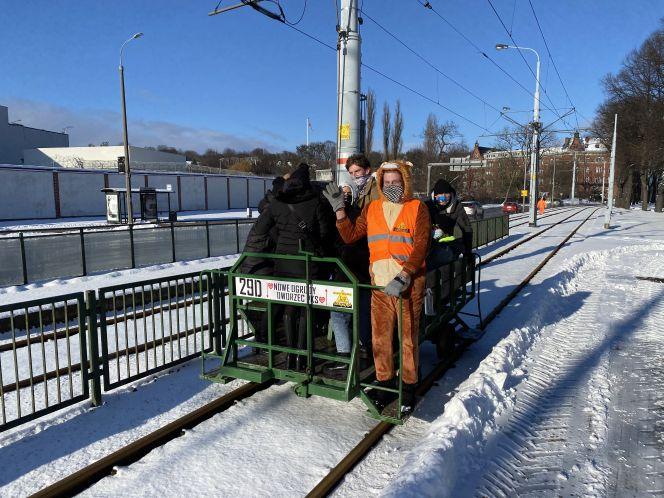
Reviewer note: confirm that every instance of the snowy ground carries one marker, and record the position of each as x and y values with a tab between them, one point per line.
571	335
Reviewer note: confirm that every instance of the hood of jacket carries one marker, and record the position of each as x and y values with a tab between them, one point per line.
404	167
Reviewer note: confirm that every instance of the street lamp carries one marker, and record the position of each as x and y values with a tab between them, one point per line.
532	221
130	213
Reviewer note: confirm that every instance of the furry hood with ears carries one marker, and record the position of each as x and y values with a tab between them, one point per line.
403	167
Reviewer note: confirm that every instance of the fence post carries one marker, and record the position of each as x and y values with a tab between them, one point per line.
93	345
84	266
207	237
173	241
24	264
237	235
131	246
219	300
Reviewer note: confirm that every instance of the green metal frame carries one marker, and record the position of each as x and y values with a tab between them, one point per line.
229	364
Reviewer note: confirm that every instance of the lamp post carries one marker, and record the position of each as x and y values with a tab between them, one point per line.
532	221
130	213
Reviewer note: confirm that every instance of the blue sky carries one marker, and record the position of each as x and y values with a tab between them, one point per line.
242	80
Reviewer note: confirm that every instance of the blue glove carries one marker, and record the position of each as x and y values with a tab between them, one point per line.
398	284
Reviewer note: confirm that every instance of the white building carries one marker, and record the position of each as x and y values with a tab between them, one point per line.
104	157
15	138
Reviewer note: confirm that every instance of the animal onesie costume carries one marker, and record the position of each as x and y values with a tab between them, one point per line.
398	234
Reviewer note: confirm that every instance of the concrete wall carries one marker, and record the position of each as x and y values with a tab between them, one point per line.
191	188
217	192
35	193
98	157
26	195
80	194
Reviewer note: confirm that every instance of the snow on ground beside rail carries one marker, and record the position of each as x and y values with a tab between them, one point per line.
57	287
456	453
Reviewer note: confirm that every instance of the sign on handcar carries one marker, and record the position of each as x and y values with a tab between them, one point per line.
330	296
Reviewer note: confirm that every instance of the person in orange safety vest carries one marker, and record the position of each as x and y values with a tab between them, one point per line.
398	230
541	205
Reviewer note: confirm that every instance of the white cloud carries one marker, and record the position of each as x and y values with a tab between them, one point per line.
99	125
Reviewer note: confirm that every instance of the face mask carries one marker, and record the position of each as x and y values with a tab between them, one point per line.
361	181
443	199
393	193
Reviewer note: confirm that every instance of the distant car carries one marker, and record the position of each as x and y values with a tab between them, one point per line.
510	207
474	209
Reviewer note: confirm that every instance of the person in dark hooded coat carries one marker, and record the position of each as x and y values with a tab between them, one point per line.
299	219
451	229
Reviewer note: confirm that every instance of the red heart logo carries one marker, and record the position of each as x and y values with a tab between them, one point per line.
322	299
270	286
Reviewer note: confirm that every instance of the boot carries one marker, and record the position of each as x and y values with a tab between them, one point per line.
338	369
383	398
409	398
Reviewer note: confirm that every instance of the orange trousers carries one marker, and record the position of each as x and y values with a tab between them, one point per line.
384	319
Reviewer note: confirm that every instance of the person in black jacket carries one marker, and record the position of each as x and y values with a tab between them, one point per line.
300	221
451	229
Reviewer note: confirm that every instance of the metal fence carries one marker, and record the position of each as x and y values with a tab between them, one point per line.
62	350
490	229
30	257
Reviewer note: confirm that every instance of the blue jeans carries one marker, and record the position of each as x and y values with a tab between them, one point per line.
342	328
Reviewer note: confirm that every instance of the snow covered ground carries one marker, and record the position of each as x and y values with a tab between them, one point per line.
574	355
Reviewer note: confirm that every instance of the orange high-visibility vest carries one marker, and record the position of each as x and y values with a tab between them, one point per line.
395	242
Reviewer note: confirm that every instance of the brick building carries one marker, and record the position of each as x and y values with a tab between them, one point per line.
490	174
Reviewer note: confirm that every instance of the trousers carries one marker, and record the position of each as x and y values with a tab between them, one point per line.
384	319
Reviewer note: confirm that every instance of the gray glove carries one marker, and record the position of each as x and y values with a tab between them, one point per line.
398	284
335	197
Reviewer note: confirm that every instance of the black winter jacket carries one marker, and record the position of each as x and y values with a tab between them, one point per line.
293	217
453	223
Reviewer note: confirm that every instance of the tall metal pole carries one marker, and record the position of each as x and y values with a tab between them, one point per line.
348	91
307	132
129	206
573	198
612	173
532	221
603	175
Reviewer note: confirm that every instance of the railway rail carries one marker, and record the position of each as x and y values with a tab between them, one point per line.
91	474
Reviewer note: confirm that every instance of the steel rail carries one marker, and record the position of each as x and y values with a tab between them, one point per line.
545	216
87	476
502	252
348	463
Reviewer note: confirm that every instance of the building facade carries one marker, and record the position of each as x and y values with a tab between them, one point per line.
15	138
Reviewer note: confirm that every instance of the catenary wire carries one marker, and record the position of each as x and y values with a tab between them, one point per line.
426	4
555	67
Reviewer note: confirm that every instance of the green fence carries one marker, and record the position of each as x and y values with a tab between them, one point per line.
489	230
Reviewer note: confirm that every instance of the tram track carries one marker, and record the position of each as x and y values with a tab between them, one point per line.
357	454
93	473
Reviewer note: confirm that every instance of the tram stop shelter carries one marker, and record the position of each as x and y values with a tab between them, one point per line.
153	203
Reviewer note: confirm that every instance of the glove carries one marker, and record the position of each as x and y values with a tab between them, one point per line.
398	284
334	196
437	234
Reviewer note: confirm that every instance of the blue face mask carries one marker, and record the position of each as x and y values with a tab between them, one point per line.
443	198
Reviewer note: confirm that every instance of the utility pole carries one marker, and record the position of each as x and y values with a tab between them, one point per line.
308	125
128	201
348	87
612	173
572	198
603	175
553	181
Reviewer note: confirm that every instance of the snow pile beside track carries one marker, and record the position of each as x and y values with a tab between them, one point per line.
456	439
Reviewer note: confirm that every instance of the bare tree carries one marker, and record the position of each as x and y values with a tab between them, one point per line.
636	94
387	131
397	131
438	137
371	121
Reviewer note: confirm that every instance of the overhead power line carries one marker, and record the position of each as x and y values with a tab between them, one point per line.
426	4
555	67
524	58
393	80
